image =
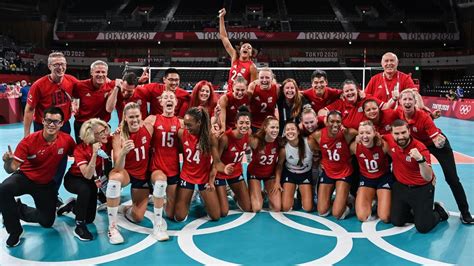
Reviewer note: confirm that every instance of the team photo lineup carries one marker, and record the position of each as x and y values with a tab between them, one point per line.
264	144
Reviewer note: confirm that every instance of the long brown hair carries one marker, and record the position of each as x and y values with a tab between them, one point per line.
200	114
124	130
298	100
260	134
211	102
301	144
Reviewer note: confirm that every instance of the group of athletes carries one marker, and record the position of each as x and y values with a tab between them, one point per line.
323	146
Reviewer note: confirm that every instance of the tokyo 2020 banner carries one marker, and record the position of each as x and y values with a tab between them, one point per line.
456	109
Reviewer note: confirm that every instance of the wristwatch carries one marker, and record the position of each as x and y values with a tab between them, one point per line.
423	159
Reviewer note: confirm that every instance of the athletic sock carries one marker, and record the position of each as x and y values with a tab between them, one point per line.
112	213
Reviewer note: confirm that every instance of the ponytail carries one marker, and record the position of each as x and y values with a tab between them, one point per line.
200	114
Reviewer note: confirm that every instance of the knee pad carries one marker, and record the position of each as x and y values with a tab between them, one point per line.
159	189
113	189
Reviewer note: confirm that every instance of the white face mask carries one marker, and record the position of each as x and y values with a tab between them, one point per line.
101	153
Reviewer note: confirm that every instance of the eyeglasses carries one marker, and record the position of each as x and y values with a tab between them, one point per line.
48	121
101	133
59	65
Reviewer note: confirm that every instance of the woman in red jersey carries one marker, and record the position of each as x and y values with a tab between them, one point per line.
231	101
131	156
265	149
350	105
164	164
381	119
232	147
198	148
295	167
241	61
88	166
264	94
375	177
337	171
203	95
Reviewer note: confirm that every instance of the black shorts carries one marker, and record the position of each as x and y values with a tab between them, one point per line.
260	178
172	180
188	185
140	184
383	182
298	179
325	179
222	182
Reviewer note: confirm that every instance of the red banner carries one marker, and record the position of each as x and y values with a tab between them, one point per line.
456	109
253	35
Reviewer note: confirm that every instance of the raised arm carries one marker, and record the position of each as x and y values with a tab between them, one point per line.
112	99
224	38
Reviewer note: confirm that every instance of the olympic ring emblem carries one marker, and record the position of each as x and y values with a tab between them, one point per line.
185	236
465	109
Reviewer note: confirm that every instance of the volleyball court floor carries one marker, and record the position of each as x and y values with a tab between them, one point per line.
265	238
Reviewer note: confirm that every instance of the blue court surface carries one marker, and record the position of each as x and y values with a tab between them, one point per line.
264	238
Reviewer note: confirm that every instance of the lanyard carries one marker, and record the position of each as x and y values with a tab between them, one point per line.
385	83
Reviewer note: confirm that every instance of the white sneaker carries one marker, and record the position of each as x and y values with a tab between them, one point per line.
350	201
346	212
160	231
114	236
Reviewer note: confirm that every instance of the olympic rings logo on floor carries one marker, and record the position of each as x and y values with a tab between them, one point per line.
186	243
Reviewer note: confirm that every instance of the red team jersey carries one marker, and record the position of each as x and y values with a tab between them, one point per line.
264	161
138	97
381	87
92	101
83	154
317	103
373	162
421	126
233	105
44	94
153	93
234	153
239	68
263	104
196	165
40	159
136	162
352	114
405	169
384	126
165	149
335	155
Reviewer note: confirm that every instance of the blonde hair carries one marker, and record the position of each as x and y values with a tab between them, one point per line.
408	91
268	70
124	130
55	55
87	129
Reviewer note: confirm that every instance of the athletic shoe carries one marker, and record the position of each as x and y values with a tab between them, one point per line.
350	201
13	240
443	212
150	200
346	212
230	193
466	218
67	207
159	231
83	233
114	236
59	202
